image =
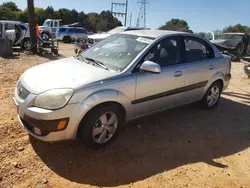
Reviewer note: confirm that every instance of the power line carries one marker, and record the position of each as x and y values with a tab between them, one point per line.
113	4
142	14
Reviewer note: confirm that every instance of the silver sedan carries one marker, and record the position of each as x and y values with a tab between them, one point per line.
125	76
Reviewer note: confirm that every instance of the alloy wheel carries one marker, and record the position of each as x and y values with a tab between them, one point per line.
213	95
105	127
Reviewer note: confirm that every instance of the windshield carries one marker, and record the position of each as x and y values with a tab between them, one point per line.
46	23
117	51
230	37
116	30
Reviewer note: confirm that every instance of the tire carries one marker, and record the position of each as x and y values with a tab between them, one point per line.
212	96
92	130
45	36
25	44
67	39
55	51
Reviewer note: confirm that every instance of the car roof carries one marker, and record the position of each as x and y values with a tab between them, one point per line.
10	21
67	27
234	33
151	33
53	20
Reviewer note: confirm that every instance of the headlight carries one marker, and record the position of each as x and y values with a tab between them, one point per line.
53	99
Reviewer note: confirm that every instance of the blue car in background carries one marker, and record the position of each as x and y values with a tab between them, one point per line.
69	34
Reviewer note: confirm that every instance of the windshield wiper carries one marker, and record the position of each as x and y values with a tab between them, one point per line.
96	62
81	58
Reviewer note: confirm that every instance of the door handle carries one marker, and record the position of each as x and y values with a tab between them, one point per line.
178	73
211	67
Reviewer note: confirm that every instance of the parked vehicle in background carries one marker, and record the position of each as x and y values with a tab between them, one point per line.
237	45
19	30
98	37
87	27
126	76
49	28
69	34
246	61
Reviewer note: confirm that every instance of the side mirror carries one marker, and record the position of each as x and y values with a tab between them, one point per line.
149	66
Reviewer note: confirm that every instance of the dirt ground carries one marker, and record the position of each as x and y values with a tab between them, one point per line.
183	147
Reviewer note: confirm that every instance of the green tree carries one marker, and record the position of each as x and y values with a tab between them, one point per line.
101	22
176	25
82	17
93	19
73	16
22	16
40	15
11	5
236	28
203	34
49	11
102	25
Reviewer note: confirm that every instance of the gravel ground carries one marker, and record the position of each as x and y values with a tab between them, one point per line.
183	147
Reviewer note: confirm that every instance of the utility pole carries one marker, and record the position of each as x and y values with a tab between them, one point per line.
32	25
130	20
113	4
126	11
142	14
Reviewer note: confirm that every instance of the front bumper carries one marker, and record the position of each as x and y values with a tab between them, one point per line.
44	125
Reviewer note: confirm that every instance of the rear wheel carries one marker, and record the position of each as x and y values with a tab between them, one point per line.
101	126
45	36
26	44
67	39
212	96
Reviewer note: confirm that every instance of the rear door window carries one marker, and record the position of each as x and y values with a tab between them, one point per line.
197	50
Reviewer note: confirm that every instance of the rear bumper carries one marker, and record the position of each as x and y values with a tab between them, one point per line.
247	70
227	79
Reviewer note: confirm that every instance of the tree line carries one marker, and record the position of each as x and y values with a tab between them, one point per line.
98	22
182	25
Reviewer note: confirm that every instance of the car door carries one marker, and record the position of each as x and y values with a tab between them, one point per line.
73	33
159	91
200	66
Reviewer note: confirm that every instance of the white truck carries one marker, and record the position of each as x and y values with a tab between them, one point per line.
49	28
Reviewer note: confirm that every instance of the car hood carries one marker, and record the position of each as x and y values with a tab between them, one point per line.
64	73
99	36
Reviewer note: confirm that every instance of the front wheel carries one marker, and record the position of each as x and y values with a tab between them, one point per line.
101	126
212	96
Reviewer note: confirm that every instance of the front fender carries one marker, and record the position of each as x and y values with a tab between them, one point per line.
101	96
98	97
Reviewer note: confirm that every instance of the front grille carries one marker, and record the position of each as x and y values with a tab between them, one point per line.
22	92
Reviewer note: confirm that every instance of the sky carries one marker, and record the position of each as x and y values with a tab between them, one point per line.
201	15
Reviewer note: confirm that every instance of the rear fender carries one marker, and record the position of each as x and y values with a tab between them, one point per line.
218	76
